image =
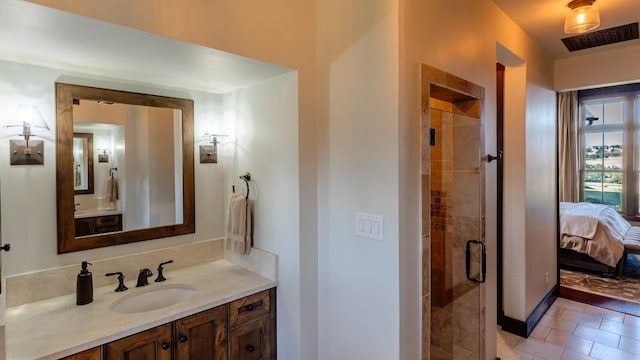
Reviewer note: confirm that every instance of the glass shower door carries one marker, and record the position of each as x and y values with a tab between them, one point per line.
456	233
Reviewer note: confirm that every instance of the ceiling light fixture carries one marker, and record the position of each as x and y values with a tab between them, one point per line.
583	17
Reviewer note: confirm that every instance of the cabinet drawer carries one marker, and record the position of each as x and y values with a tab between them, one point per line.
108	221
249	308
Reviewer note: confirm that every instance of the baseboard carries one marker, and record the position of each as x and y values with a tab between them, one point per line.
524	328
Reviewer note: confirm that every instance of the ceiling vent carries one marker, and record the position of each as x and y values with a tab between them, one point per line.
602	37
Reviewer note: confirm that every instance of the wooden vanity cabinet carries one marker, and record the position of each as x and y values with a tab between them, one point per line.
241	330
98	224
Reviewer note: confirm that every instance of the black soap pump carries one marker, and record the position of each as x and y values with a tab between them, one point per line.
84	285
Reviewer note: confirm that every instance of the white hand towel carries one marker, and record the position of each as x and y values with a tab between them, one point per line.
239	231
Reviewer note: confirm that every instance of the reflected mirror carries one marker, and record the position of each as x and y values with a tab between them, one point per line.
142	187
82	163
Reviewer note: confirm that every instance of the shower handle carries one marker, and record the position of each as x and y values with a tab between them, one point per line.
483	276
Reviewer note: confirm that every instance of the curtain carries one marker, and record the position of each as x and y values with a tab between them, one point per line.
569	177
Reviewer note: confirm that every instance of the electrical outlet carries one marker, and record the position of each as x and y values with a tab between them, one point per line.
546	278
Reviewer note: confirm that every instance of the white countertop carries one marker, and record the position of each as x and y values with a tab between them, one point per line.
57	327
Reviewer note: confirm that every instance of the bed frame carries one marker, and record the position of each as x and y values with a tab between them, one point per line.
576	260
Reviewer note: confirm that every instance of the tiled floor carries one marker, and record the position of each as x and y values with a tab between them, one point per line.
572	330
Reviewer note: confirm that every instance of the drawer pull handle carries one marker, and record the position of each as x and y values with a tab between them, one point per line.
165	346
183	339
250	348
249	307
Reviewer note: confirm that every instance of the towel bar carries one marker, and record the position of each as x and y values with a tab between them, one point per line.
246	177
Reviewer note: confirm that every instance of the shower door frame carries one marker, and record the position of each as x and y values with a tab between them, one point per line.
450	83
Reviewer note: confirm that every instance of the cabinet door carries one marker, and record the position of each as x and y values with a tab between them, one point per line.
252	341
203	336
91	354
153	344
85	226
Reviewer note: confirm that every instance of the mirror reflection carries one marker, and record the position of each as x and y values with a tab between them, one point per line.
82	163
141	187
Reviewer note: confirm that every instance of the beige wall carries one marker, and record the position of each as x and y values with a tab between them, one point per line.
463	43
358	81
281	32
358	133
514	196
613	67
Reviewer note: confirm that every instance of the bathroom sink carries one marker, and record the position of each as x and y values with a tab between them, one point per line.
153	298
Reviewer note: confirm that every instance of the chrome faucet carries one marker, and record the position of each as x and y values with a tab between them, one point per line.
143	277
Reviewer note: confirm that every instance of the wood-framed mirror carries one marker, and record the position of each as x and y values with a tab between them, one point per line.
82	163
146	188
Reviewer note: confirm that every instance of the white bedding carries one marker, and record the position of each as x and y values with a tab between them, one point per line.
596	230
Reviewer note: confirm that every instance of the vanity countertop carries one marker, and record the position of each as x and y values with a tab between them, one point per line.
95	212
57	327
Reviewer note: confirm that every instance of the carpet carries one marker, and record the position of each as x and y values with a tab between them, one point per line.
626	287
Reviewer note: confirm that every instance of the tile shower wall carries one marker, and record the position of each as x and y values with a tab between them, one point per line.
455	217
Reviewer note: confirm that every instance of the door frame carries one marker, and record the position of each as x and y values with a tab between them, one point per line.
467	90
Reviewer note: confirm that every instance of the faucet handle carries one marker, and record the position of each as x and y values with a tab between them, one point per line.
161	277
121	286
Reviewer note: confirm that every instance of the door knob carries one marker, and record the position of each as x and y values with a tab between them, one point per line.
490	157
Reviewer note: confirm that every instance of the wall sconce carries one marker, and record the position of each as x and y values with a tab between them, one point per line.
103	155
583	17
209	153
27	151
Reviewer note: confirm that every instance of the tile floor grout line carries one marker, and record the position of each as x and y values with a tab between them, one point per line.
539	347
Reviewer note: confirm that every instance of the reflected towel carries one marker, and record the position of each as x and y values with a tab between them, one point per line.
239	229
78	177
112	189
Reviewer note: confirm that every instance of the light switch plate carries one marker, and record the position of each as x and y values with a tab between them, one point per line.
370	226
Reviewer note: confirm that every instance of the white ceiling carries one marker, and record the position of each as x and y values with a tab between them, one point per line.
543	20
38	35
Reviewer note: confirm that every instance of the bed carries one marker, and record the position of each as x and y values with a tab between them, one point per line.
595	237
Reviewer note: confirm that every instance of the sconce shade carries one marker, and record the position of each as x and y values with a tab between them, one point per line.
209	153
583	17
27	114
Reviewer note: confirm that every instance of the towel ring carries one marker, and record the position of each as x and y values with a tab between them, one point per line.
112	170
246	177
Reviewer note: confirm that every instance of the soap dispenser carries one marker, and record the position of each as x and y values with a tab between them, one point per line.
84	285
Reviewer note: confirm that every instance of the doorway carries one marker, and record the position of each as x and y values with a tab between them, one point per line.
453	216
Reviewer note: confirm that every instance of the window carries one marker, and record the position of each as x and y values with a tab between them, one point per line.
609	138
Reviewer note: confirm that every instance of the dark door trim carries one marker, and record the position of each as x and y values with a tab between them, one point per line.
500	148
